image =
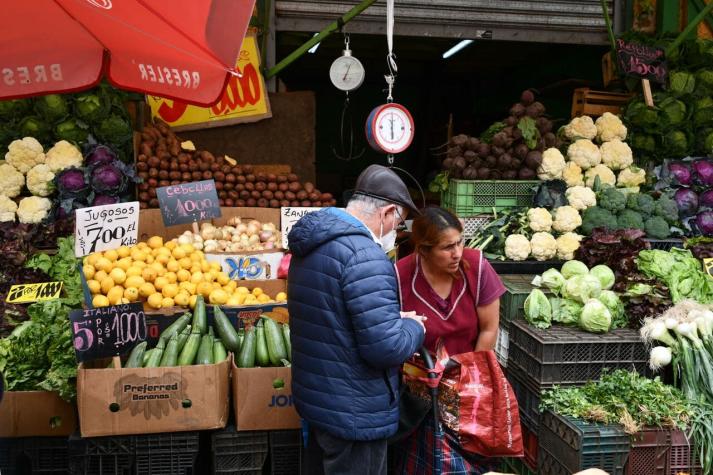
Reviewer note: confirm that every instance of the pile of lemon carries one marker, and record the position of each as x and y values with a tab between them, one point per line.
164	275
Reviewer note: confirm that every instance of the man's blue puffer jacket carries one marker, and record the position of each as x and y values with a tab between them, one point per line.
348	337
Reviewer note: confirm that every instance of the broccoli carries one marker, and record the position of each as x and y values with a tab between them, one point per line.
667	209
643	204
597	217
630	219
612	199
657	228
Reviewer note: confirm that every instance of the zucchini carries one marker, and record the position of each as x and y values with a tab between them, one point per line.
262	358
147	355
170	355
226	331
275	342
241	338
246	358
219	353
205	350
190	349
136	358
200	319
155	357
286	363
183	337
176	327
288	342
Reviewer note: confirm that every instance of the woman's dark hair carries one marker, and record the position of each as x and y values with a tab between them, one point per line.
428	227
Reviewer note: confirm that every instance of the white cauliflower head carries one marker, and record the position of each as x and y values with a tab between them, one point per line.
631	177
517	247
7	209
606	176
63	155
544	246
25	154
40	180
567	245
581	197
572	174
33	209
540	219
581	128
552	165
616	154
11	181
584	153
610	127
567	219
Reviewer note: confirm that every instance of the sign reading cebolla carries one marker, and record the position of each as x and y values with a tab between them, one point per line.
101	228
188	202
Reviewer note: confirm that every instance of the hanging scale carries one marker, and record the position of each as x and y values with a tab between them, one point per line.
347	74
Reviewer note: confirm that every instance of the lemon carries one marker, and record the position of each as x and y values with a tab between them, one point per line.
205	267
178	253
232	285
263	298
197	277
204	289
208	277
131	294
200	254
155	242
139	264
169	290
195	257
149	259
162	259
223	278
123	251
118	275
111	254
241	299
133	271
189	287
160	270
146	289
142	245
183	275
160	283
242	290
149	274
281	297
257	291
171	277
185	262
192	301
153	252
134	281
100	275
181	299
138	254
218	297
124	263
173	265
188	249
196	269
250	300
155	300
215	266
171	245
100	301
89	271
106	283
233	301
115	294
92	258
94	286
103	264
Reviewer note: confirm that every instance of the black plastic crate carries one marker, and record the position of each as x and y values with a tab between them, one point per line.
172	453
665	244
567	355
285	452
577	445
101	455
236	452
517	288
524	267
528	399
11	456
47	455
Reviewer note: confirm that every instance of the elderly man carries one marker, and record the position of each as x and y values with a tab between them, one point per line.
348	334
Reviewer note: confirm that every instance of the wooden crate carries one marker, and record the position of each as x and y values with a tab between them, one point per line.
595	103
609	72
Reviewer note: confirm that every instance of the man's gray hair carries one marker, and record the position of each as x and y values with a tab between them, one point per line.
368	204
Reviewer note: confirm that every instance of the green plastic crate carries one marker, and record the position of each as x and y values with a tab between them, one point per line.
472	197
517	288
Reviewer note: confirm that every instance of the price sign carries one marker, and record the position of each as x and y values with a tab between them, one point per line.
646	62
105	227
188	202
107	331
28	293
288	217
708	265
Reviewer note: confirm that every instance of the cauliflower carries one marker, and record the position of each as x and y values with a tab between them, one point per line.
544	246
581	128
567	245
517	247
11	181
566	219
631	177
8	208
610	127
540	219
581	197
606	176
63	155
584	153
40	180
33	209
25	154
552	165
616	154
572	174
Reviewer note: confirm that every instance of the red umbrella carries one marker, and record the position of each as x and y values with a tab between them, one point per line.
179	49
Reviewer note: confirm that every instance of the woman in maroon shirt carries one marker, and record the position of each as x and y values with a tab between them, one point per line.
459	293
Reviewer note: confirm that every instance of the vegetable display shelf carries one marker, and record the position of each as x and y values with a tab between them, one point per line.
523	267
35	455
240	453
567	355
285	452
657	451
569	445
469	198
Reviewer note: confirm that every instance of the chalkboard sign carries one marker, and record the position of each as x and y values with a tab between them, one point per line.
646	62
107	331
188	202
105	227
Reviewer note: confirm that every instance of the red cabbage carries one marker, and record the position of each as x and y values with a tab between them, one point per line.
706	199
704	222
704	172
71	182
100	200
108	179
99	154
680	173
687	201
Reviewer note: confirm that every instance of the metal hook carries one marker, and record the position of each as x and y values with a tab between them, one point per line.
346	41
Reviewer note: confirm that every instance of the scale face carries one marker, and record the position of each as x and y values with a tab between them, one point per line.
390	128
347	73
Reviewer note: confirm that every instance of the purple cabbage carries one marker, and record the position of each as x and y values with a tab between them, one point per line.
108	178
100	200
706	199
681	173
704	222
687	202
704	172
99	154
71	182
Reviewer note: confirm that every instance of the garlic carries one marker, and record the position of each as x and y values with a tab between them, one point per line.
210	245
208	233
252	229
235	238
198	245
254	239
185	239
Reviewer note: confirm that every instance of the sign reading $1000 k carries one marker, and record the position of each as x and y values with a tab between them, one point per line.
101	228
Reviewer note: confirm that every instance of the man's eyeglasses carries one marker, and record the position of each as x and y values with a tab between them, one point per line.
402	224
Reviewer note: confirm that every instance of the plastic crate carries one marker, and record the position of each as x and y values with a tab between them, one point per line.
285	448
241	453
530	445
649	452
517	288
519	466
475	197
578	445
171	453
11	456
523	267
665	244
567	355
528	400
548	463
101	455
501	346
472	225
682	456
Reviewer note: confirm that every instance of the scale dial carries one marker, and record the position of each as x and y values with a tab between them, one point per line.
390	128
347	73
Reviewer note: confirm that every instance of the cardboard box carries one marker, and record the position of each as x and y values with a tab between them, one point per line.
36	414
248	265
152	400
258	404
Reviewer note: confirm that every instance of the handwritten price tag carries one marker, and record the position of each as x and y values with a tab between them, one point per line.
289	216
101	228
642	61
107	331
189	202
28	293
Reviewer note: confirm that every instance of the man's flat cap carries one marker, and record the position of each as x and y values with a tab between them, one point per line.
381	182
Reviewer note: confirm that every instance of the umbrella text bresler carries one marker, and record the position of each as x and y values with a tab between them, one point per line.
178	49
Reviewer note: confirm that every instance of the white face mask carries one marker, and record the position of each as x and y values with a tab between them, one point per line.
388	240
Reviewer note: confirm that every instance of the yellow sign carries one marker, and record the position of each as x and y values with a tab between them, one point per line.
28	293
244	98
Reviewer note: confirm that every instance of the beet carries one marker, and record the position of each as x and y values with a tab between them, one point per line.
517	110
527	97
550	139
483	173
459	140
504	162
496	151
448	163
515	164
500	139
510	175
516	133
491	162
521	151
477	163
544	125
508	131
511	121
483	150
535	110
496	175
526	174
453	152
533	160
470	156
473	144
470	173
459	163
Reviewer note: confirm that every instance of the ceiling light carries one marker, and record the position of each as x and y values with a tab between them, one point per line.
456	48
313	49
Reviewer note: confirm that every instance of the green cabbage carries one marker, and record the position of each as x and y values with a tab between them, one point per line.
581	288
673	111
114	130
641	115
595	317
32	126
552	279
52	107
676	144
71	131
643	142
538	311
572	268
704	78
92	106
615	307
605	276
703	113
13	109
682	82
565	311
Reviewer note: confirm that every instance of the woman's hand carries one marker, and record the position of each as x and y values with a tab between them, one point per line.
488	321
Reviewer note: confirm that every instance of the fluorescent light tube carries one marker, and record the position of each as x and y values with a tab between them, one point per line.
456	48
313	49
